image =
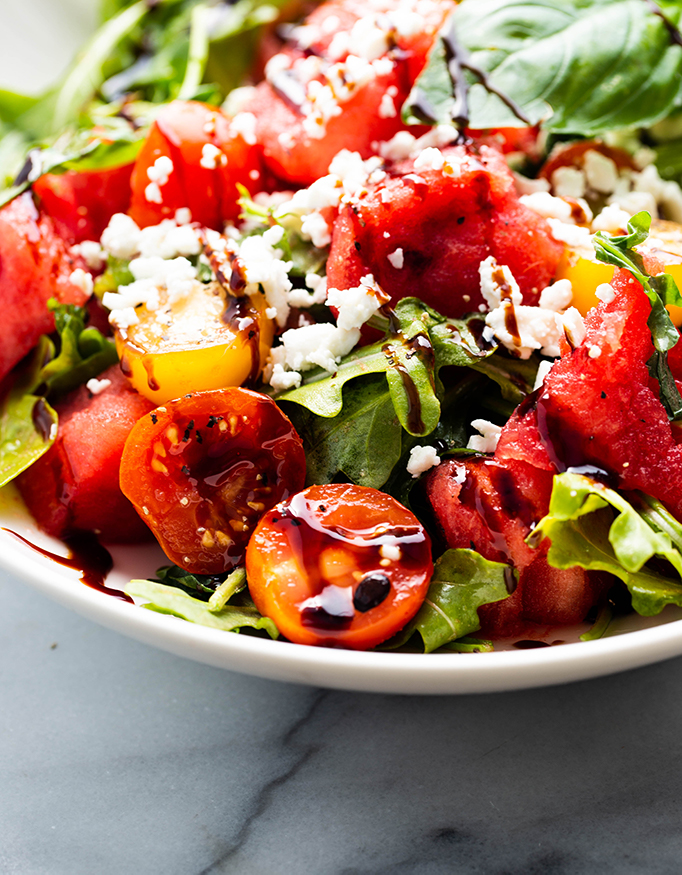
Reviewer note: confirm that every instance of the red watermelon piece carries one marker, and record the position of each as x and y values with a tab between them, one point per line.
74	486
81	204
35	265
444	224
290	150
599	406
491	505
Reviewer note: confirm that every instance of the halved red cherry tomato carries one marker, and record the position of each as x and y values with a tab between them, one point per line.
339	565
207	160
202	469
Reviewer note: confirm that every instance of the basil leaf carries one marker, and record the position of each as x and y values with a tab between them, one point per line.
21	442
661	290
169	600
462	582
551	58
594	527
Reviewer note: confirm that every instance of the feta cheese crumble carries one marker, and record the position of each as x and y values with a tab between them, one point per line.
487	438
422	459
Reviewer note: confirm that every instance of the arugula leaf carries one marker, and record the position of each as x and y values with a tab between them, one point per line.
170	600
661	290
594	527
551	59
462	582
84	352
204	584
363	441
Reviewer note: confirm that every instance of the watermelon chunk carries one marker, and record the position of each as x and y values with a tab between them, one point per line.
491	505
600	407
81	204
35	265
299	142
424	232
74	486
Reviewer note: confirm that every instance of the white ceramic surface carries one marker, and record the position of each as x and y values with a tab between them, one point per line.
649	641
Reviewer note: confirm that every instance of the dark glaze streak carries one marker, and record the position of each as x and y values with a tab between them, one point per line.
290	89
510	322
86	555
42	419
675	35
414	407
458	61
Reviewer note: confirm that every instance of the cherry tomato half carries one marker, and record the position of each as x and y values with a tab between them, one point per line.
339	565
202	469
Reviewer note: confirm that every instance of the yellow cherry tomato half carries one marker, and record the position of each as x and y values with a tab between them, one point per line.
585	275
206	340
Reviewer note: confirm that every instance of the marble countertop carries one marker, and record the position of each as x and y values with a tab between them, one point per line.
118	758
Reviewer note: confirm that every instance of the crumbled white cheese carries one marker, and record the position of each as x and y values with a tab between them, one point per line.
211	157
397	258
524	185
160	170
574	326
575	236
82	280
91	252
557	297
263	266
244	125
152	193
548	206
601	171
314	227
569	182
489	436
387	107
429	159
492	275
594	351
537	329
183	216
422	459
121	237
612	219
605	292
355	306
543	369
320	344
96	387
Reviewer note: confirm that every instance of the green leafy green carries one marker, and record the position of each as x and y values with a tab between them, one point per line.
347	442
84	352
170	600
22	442
661	291
594	527
462	582
552	59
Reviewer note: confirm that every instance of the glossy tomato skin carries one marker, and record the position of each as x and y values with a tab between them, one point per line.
340	566
202	469
181	131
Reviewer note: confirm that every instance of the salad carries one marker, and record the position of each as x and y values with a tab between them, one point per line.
366	312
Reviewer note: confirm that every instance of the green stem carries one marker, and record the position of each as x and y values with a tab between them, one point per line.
232	584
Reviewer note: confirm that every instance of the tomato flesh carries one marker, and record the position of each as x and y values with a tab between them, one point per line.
339	565
202	469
